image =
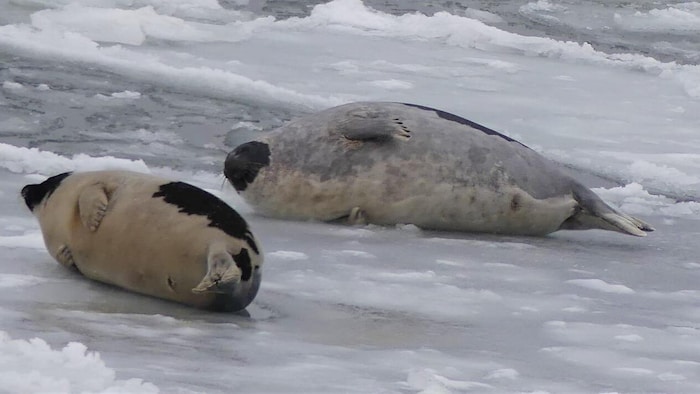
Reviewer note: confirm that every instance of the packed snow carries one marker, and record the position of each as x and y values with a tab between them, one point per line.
169	87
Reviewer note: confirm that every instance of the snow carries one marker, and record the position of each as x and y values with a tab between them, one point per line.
168	87
683	18
32	366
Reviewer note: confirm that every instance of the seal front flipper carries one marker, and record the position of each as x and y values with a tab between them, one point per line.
357	217
92	205
363	124
65	256
221	271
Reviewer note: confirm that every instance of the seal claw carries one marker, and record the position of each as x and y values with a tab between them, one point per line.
222	272
357	217
65	256
92	205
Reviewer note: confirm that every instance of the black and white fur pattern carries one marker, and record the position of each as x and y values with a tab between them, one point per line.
150	235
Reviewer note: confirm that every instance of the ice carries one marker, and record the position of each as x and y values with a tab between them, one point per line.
601	285
168	87
683	18
13	280
286	255
541	6
32	160
127	94
32	366
31	240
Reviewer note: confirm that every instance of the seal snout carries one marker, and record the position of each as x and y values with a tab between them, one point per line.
28	194
243	163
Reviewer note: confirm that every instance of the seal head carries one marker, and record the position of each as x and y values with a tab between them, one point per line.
243	163
34	194
233	277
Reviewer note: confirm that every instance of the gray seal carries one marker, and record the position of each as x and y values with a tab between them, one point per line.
390	163
150	235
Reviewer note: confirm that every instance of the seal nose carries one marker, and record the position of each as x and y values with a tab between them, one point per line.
239	295
26	193
234	171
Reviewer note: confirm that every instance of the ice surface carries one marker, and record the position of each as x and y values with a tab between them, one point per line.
168	87
683	18
31	366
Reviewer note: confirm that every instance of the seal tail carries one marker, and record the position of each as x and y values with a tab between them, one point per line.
593	213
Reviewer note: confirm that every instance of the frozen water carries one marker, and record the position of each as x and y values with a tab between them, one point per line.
610	90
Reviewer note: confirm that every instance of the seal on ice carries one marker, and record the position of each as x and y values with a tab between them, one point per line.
390	163
153	236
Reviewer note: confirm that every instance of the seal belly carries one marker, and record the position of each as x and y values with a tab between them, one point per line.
154	252
151	236
475	210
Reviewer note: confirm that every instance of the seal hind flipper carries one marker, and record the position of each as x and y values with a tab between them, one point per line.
92	205
593	213
367	125
222	271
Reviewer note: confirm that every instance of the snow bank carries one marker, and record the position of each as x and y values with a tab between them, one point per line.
71	43
31	366
635	200
34	161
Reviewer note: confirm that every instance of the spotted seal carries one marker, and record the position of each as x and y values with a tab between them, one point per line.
150	235
388	163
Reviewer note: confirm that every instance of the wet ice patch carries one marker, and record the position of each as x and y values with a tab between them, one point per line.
601	286
33	366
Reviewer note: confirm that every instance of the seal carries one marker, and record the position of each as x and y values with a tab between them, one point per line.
149	235
390	163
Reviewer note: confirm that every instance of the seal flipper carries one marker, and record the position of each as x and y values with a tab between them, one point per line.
92	205
221	271
65	256
363	124
357	217
593	213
